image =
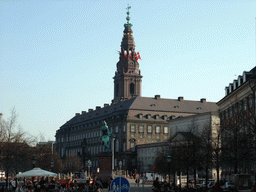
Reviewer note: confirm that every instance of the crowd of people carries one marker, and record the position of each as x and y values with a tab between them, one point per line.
45	184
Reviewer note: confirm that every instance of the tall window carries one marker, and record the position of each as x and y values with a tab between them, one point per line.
132	145
141	129
133	128
124	128
117	145
131	88
165	129
116	129
157	129
149	129
124	147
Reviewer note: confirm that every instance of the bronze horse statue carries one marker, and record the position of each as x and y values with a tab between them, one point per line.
106	137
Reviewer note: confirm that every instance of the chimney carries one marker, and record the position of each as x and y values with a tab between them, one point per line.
157	97
90	110
83	112
180	98
98	107
106	105
203	100
77	114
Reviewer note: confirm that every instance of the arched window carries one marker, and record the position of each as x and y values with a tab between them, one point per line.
131	88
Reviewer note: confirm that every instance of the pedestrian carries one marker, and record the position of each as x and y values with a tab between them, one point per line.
156	185
109	183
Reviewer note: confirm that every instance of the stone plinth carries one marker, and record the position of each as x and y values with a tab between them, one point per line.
105	164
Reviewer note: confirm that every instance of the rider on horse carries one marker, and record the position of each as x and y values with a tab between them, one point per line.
106	137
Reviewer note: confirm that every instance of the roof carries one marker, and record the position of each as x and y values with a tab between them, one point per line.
146	104
186	135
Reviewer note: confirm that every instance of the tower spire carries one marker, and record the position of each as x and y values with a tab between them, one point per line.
127	79
128	25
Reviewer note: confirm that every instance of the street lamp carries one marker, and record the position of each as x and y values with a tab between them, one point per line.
169	158
120	166
34	161
89	163
52	165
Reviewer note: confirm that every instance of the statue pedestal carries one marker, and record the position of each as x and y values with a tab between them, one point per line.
105	164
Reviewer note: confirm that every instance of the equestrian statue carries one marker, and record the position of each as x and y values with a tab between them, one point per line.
106	137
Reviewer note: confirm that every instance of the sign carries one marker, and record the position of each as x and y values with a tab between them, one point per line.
120	184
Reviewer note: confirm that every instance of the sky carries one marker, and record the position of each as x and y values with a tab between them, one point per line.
58	57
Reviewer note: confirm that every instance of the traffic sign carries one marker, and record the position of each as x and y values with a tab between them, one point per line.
120	184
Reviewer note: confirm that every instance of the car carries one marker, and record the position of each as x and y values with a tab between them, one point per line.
228	186
210	183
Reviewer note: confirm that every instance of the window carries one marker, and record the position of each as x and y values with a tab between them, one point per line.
123	162
157	129
149	116
149	136
245	104
115	162
165	129
140	116
131	88
157	117
141	136
132	145
133	128
250	101
141	129
149	129
124	147
111	129
124	128
116	129
117	145
132	135
165	117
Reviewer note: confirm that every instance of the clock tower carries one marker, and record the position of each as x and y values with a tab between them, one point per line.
127	79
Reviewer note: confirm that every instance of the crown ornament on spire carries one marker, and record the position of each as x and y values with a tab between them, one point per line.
128	25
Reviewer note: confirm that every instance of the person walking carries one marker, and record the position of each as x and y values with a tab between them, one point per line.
156	185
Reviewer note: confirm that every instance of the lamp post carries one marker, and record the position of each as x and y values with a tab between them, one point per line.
169	158
34	161
113	157
89	163
120	166
52	165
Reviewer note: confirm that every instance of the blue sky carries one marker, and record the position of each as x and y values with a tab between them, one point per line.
58	57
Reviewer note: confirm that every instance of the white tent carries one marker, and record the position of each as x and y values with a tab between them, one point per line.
37	172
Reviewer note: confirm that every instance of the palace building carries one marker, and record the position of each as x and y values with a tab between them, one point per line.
132	118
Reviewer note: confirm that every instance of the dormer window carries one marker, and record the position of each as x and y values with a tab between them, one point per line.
140	116
176	106
172	117
165	117
157	117
148	116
